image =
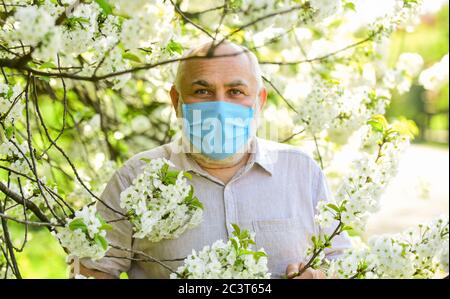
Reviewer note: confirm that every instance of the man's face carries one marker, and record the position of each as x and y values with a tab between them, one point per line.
229	79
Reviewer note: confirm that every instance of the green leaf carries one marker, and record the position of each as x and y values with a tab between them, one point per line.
237	230
171	132
378	123
234	4
36	191
174	47
239	263
409	2
72	21
131	56
77	223
47	65
164	169
346	227
245	234
245	251
191	192
101	241
187	175
170	176
172	173
44	78
334	207
169	180
257	255
234	243
406	127
9	132
9	93
350	6
106	226
146	160
376	126
106	7
195	202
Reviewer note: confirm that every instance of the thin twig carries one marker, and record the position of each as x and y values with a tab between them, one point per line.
28	222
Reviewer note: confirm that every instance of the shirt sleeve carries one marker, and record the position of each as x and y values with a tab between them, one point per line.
342	241
115	260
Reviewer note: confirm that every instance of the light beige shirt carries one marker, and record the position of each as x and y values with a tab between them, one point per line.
274	196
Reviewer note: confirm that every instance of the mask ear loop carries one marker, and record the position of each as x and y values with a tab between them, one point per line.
254	124
184	143
180	102
256	113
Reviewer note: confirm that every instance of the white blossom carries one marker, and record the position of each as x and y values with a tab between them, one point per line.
149	25
160	202
84	236
418	252
18	156
406	69
326	8
436	75
31	24
231	260
318	110
11	102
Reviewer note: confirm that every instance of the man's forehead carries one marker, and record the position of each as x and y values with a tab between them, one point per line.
211	83
209	71
240	63
230	65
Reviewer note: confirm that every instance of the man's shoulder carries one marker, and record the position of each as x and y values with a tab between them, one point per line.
286	157
273	148
137	160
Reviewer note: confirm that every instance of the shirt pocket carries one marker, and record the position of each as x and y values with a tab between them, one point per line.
284	241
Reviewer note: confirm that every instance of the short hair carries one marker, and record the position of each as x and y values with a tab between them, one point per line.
256	69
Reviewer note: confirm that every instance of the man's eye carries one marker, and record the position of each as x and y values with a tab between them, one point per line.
235	92
201	92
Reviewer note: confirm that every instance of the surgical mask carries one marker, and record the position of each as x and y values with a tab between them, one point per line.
217	129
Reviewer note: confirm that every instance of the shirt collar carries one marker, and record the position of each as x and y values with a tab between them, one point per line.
179	157
262	156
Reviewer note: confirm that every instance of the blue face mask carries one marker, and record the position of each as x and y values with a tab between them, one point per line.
217	129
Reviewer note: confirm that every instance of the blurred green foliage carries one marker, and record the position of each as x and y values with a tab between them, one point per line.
42	257
429	110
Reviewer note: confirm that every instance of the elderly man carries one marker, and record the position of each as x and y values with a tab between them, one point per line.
270	188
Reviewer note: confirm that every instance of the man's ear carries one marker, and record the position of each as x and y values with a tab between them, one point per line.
174	95
262	98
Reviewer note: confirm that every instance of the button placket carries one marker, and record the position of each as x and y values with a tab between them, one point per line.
230	209
231	204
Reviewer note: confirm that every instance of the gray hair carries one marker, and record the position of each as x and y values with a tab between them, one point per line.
256	69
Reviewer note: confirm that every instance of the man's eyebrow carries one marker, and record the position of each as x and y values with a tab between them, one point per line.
236	83
201	82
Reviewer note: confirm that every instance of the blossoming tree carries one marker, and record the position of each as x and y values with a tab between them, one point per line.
85	83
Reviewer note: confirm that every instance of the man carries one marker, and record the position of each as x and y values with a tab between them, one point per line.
270	188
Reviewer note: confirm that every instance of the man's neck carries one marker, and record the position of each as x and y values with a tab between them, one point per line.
225	172
221	170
